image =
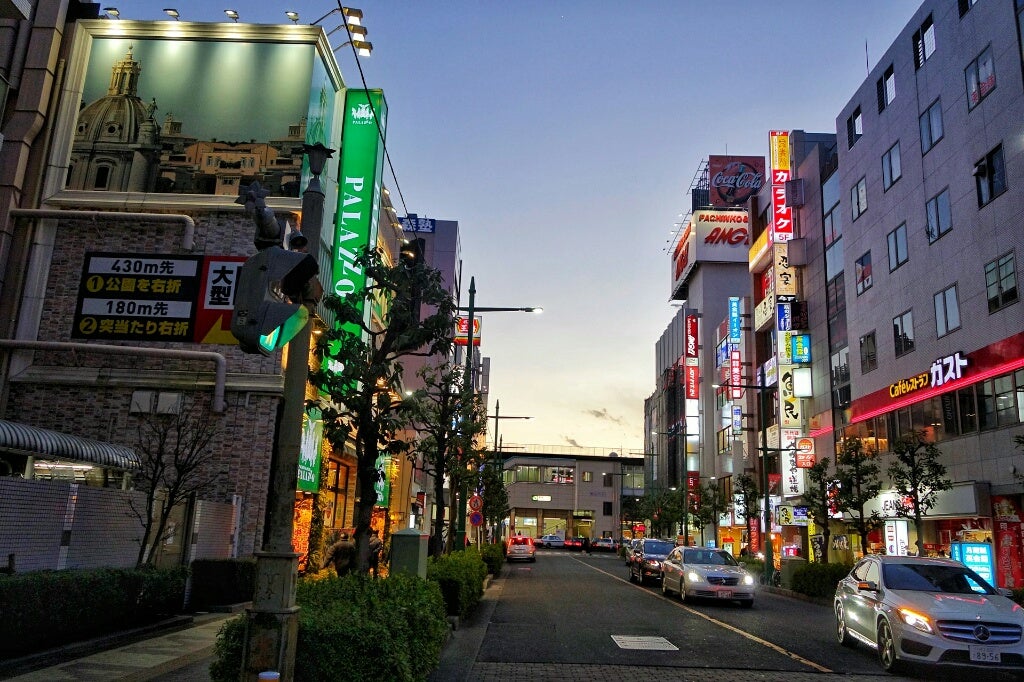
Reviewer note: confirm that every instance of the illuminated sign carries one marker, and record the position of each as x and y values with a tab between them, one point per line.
462	331
734	179
800	348
943	370
735	324
736	374
541	498
691	354
309	453
791	406
785	279
710	237
782	215
805	453
792	476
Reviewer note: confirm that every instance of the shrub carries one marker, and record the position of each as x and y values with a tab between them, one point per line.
819	580
43	609
354	628
494	557
222	581
1018	595
461	578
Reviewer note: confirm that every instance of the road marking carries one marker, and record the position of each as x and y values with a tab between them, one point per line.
644	643
754	638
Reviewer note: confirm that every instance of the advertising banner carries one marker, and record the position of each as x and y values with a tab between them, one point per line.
1008	531
309	452
734	179
462	331
782	215
383	484
735	320
785	274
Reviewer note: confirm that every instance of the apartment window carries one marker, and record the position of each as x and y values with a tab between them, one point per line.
606	480
886	87
868	353
903	333
898	247
947	311
924	42
854	127
1001	282
965	6
859	198
588	476
990	176
931	126
891	170
606	508
862	268
940	219
981	78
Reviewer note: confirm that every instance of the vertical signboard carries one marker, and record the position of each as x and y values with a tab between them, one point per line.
359	180
382	486
791	408
785	279
792	476
309	452
691	358
782	215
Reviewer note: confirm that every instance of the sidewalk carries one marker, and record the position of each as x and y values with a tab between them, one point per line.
146	659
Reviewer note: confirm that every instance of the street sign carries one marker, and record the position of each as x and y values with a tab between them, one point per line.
476	519
476	503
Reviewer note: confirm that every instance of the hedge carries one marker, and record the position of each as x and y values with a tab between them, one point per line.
819	580
355	628
461	577
494	556
217	582
43	609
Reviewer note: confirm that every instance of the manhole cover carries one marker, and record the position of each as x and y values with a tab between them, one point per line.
644	643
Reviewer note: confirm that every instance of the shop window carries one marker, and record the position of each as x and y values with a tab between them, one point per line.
1019	381
967	410
1006	408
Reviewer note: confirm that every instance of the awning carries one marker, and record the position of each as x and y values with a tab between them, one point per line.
46	444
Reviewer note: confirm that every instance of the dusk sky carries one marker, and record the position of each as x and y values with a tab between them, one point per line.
564	136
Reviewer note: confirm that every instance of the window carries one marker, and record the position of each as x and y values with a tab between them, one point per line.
898	247
862	269
990	176
606	508
965	6
527	474
588	476
931	126
854	127
886	87
924	42
606	480
868	353
859	198
1001	282
891	170
981	78
939	219
102	178
947	311
903	333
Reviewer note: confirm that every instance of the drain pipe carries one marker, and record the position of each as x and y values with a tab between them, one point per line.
219	360
190	226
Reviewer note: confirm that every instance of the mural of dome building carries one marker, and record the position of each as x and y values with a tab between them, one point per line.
117	140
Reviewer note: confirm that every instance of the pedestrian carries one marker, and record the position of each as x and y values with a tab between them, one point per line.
375	548
298	242
586	544
342	555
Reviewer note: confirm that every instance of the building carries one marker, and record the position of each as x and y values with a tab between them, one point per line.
572	495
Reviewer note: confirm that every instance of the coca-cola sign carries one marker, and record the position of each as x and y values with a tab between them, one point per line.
734	179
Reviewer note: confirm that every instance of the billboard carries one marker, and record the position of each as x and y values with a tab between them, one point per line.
710	237
782	215
204	110
734	179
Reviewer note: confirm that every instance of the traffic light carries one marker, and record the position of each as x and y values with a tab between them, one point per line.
268	309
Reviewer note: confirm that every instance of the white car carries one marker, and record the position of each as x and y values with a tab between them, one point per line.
551	541
520	547
696	572
919	610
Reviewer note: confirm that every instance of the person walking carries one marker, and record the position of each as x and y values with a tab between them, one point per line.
586	544
375	549
342	555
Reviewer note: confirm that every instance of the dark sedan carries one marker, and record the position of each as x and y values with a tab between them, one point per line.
647	557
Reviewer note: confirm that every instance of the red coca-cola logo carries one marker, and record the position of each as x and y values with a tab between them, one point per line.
736	183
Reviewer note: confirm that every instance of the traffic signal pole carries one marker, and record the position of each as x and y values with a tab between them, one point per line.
273	621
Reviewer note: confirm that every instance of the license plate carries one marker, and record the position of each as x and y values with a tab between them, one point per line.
985	654
725	594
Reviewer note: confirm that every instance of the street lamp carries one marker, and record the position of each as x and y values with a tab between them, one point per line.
469	388
762	393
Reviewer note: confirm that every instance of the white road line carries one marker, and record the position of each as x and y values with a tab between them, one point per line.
754	638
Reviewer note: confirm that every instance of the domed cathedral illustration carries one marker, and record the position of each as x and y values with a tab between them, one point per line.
117	140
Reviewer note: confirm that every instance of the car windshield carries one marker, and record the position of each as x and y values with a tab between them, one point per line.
714	557
934	578
657	547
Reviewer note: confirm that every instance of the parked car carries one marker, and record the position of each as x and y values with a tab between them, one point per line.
521	547
695	572
575	544
920	610
550	541
647	557
631	544
603	545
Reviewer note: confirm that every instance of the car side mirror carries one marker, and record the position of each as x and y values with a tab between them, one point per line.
867	585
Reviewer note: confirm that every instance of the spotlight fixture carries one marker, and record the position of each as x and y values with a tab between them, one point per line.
112	12
294	16
232	14
171	12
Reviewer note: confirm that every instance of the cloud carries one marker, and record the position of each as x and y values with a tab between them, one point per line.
604	414
575	443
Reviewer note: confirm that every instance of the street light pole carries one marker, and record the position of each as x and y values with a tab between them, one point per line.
497	443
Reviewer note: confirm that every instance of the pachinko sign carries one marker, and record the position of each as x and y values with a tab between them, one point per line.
782	215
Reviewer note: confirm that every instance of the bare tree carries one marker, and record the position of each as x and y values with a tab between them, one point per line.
918	477
859	484
175	464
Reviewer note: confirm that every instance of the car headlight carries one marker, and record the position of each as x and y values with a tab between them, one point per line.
748	579
916	620
694	577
